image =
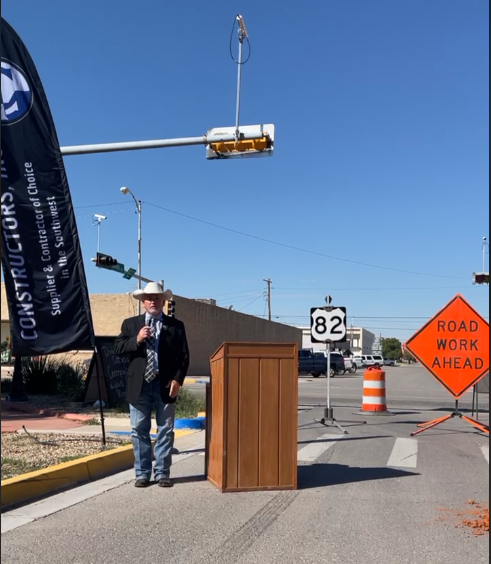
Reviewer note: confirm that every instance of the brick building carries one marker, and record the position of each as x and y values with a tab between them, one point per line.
207	325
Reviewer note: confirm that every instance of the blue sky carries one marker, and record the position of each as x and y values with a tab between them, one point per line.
381	111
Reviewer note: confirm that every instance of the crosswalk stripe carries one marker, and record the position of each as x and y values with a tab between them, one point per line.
485	451
404	454
317	448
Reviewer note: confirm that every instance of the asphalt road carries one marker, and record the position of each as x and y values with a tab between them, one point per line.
374	496
408	387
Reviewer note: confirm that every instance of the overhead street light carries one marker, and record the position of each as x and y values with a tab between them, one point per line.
242	26
138	204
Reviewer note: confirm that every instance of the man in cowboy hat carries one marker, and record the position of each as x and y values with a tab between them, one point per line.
159	360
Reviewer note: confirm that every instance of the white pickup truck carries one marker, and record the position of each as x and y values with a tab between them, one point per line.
350	365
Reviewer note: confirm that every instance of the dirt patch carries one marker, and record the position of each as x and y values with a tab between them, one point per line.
22	453
475	518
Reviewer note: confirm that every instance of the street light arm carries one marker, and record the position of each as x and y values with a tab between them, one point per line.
135	200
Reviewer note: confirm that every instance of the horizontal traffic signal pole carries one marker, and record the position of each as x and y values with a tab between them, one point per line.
158	144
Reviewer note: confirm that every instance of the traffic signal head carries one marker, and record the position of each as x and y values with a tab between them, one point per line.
105	260
233	148
171	308
481	278
253	141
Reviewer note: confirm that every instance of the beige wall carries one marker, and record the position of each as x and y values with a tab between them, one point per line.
207	326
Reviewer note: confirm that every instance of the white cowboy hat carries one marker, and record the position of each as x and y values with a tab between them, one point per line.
152	288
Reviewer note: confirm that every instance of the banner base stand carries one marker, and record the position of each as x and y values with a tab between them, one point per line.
18	391
457	413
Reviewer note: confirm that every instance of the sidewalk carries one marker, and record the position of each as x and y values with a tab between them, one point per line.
13	420
14	416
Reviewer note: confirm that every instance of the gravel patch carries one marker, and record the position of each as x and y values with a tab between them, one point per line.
22	453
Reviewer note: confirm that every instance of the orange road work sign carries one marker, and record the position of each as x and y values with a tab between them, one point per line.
454	346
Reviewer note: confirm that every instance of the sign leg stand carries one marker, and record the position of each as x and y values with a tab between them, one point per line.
329	419
457	413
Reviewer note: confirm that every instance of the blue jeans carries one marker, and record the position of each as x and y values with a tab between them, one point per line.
141	421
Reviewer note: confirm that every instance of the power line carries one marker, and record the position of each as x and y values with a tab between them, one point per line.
235	301
249	304
361	318
299	249
268	282
99	205
255	291
111	212
376	289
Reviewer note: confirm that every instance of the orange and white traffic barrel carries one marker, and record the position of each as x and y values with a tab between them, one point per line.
374	400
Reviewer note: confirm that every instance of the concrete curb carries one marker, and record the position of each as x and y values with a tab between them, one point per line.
42	483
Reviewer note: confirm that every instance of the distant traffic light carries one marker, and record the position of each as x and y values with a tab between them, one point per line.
105	260
171	308
481	278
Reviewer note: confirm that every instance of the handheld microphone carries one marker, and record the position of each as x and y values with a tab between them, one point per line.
149	323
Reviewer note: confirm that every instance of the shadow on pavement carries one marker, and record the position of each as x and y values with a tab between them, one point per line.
482	410
344	438
325	475
190	479
192	451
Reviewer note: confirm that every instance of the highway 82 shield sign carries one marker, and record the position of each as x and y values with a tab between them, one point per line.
328	324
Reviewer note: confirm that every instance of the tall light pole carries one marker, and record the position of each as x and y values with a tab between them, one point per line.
485	252
138	204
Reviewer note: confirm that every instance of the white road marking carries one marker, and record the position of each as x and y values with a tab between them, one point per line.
317	448
485	451
404	454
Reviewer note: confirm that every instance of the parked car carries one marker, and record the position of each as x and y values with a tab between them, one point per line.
315	363
374	360
310	363
358	361
389	362
349	365
338	364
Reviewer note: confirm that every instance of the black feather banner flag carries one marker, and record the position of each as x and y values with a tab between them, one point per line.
42	262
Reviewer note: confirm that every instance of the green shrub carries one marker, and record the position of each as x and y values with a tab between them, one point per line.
188	404
71	381
40	375
6	357
51	376
6	385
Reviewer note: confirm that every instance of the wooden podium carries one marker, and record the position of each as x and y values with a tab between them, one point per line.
252	414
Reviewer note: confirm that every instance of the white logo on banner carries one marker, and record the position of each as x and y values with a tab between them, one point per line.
16	94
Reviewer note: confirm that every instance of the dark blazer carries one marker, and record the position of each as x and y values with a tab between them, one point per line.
173	355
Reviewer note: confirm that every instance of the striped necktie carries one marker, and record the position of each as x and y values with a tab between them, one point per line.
151	343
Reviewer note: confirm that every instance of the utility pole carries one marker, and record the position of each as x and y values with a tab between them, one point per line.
269	282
